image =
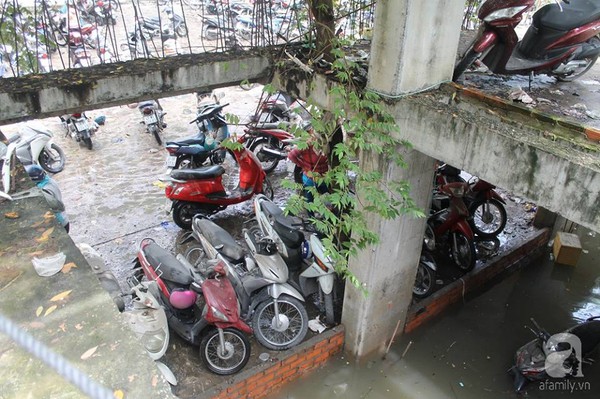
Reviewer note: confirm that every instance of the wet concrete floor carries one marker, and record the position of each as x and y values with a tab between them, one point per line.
465	353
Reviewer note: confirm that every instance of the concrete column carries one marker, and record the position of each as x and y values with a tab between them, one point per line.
414	44
388	270
414	47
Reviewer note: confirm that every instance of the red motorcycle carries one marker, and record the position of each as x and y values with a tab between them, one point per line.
562	40
486	206
214	325
201	190
448	229
268	142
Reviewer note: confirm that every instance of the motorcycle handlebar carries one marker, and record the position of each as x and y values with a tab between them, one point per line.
216	109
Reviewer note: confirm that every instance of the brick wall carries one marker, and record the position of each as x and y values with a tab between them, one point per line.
477	280
296	362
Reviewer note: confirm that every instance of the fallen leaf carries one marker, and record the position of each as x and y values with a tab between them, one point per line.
119	394
11	215
44	237
131	378
48	215
36	253
67	268
78	326
50	310
39	311
154	380
37	325
61	296
88	353
63	327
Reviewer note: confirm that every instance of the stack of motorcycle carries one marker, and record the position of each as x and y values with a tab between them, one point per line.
460	212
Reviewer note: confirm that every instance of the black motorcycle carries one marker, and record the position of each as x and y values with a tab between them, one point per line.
558	356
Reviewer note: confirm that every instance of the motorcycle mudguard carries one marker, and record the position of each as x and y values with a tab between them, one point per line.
519	381
276	290
487	40
463	227
326	283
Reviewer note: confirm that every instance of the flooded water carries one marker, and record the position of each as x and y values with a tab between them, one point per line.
466	352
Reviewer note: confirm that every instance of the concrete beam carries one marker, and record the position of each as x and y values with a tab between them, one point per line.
534	156
100	86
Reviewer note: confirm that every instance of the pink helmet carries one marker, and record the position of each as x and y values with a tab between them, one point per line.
182	299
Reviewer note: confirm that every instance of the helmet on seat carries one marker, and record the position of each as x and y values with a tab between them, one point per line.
35	172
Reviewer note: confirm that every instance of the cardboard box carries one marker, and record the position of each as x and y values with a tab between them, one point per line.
567	248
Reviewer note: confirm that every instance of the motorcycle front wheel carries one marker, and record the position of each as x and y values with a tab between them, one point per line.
181	30
463	251
52	159
229	358
268	162
329	312
465	62
284	332
489	217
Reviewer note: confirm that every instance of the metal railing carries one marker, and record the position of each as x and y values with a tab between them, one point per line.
38	36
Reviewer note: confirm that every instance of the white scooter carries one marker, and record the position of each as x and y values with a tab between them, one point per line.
310	275
34	145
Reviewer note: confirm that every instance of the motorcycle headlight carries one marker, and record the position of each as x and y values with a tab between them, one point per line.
154	340
218	314
504	13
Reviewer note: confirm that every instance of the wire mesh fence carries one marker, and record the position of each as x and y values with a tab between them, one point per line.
38	36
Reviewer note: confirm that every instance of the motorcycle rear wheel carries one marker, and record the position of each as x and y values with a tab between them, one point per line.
268	163
463	253
53	160
292	328
88	143
488	217
425	279
580	71
329	312
156	133
235	356
267	189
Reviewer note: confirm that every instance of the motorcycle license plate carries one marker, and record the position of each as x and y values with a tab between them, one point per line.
171	161
150	119
81	125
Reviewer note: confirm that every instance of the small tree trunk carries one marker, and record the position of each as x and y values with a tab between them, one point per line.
322	13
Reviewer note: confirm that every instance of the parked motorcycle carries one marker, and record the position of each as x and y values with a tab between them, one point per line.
559	355
34	145
152	118
562	40
214	325
486	206
51	192
201	190
449	230
79	128
279	318
193	152
219	29
316	275
268	142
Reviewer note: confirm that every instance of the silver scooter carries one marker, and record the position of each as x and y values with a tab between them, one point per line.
34	145
275	308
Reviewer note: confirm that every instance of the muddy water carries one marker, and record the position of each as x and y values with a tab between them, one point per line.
465	353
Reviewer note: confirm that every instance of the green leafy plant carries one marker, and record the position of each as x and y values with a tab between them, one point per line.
358	123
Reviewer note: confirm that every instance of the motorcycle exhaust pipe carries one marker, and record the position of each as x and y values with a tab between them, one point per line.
273	153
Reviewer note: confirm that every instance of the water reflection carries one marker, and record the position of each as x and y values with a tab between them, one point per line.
466	352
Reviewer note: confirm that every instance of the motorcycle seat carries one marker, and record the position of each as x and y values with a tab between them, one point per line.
283	225
171	269
573	15
191	149
206	172
193	141
219	237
